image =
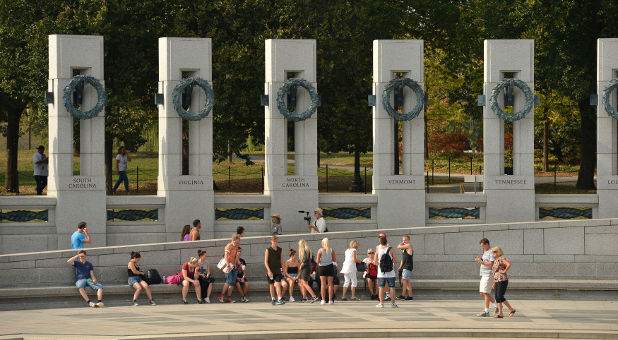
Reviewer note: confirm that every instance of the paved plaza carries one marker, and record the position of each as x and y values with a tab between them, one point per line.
353	320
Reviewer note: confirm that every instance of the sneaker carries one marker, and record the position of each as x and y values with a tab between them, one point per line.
280	302
199	302
152	303
344	299
292	299
92	304
331	302
303	300
100	304
409	298
401	297
228	300
394	305
246	300
380	305
185	302
354	299
135	303
221	298
323	302
314	299
374	297
242	299
207	300
388	296
273	301
483	314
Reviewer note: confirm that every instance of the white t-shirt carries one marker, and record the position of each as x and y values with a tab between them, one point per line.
122	164
320	223
488	256
382	252
41	168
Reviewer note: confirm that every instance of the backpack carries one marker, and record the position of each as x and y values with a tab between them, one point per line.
386	262
153	277
173	279
372	270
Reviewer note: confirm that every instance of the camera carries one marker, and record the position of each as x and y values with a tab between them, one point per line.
307	217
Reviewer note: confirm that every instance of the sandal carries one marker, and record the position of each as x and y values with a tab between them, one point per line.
512	313
499	316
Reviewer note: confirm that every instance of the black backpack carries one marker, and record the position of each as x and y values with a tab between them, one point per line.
386	262
153	277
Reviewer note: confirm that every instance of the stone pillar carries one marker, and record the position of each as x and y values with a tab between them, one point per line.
607	135
290	193
401	198
81	197
510	198
190	196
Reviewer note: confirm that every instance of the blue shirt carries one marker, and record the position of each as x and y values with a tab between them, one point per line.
77	240
82	270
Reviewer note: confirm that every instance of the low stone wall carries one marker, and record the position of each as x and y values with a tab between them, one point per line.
583	250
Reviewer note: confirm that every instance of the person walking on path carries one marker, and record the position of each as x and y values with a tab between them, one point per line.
501	281
487	262
273	261
206	282
40	169
190	275
231	260
185	235
84	276
319	226
80	236
195	232
122	158
136	279
348	269
276	228
406	267
326	271
385	260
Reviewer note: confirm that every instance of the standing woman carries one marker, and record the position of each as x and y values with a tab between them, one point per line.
326	270
292	274
121	165
190	275
385	260
186	233
304	257
136	279
501	281
349	270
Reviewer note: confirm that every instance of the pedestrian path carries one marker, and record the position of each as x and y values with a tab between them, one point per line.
351	320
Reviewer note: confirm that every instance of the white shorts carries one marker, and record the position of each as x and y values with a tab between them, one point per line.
485	285
350	278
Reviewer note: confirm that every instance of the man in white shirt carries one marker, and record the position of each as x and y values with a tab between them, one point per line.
121	165
40	169
319	225
487	261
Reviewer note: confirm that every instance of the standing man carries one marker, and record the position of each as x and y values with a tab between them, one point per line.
487	261
273	261
406	266
231	259
84	276
276	229
80	236
121	165
195	232
40	169
320	224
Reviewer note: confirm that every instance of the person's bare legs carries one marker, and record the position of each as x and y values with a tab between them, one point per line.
209	291
147	289
246	289
185	289
500	309
508	305
82	292
308	288
488	299
353	289
198	290
323	287
370	285
381	294
392	289
271	287
331	290
291	286
278	289
138	290
100	294
344	291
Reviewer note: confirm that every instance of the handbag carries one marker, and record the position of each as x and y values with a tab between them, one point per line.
224	266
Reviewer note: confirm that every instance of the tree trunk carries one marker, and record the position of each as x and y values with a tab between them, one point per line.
357	182
585	177
546	146
12	143
229	152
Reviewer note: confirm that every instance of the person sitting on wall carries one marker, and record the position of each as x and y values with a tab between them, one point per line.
319	226
80	236
84	276
195	232
276	228
240	231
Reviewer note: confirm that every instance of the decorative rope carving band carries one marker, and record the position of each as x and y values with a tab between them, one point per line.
347	213
493	100
239	213
293	84
68	100
607	93
177	98
133	215
414	86
454	213
24	216
565	213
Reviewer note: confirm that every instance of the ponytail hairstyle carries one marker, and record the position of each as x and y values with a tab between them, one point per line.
292	252
135	255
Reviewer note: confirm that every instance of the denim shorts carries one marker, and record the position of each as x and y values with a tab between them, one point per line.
134	279
406	274
230	278
382	282
82	283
